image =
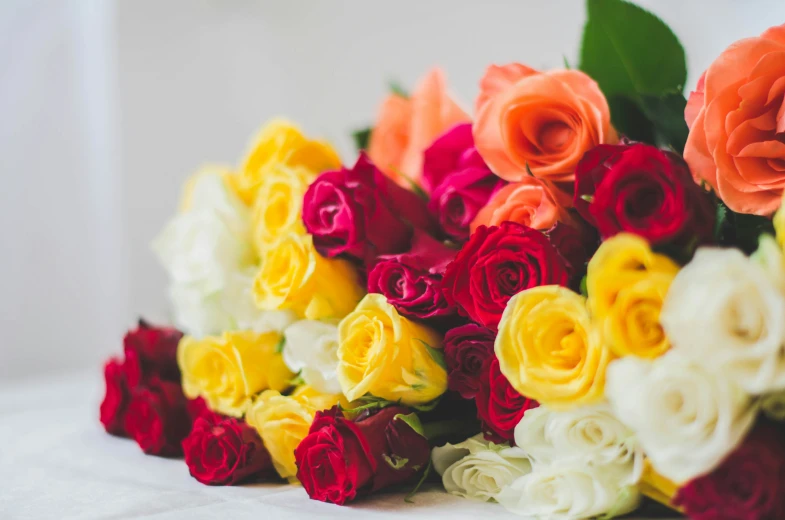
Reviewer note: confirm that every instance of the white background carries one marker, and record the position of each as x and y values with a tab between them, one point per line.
107	106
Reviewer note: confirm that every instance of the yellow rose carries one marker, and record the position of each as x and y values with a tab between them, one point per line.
277	211
386	355
627	284
294	276
283	421
779	224
547	349
282	143
228	371
657	487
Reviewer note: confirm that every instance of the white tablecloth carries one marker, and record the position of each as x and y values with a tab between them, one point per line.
56	462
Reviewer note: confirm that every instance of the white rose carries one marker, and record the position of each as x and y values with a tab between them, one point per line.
478	469
687	418
587	435
568	491
726	312
311	348
231	308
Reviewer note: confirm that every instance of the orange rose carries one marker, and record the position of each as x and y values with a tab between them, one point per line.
532	202
737	124
406	127
543	121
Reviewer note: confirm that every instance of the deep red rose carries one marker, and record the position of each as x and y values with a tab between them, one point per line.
151	351
576	245
459	181
197	408
499	406
116	399
157	418
496	263
341	459
748	485
467	350
411	281
643	190
360	213
223	451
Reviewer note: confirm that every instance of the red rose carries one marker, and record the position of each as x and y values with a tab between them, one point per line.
467	350
197	408
575	244
459	181
115	402
151	351
642	190
411	281
157	418
224	451
748	485
499	406
360	213
341	459
496	263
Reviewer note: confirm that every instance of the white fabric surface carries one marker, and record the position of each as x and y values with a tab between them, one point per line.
56	462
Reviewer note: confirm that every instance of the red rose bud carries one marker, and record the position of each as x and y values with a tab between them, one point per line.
341	459
575	244
115	403
157	418
225	451
499	406
411	281
468	350
496	263
748	485
360	213
643	190
459	181
151	351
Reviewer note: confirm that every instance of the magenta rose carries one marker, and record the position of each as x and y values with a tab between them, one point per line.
360	213
467	351
458	180
411	281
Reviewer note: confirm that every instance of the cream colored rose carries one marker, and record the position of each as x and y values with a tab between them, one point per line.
687	418
311	349
725	312
588	435
478	469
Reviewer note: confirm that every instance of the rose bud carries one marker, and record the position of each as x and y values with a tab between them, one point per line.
576	244
467	351
225	451
748	485
411	281
499	406
496	263
643	190
151	351
157	418
341	459
360	213
459	181
115	403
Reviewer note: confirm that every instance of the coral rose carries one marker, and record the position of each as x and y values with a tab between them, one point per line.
406	127
541	122
737	124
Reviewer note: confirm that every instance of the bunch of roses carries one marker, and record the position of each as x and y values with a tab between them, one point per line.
556	280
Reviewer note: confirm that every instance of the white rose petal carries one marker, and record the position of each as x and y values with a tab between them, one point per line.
565	491
478	469
590	435
727	312
312	349
687	418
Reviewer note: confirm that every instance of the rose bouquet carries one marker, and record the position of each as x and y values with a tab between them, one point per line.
571	303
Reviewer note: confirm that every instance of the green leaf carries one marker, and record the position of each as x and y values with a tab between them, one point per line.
427	407
630	51
721	220
395	462
436	354
280	345
566	63
397	89
297	380
361	138
408	498
628	118
412	420
667	114
584	289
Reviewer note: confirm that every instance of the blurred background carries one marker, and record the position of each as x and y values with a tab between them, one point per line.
107	106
